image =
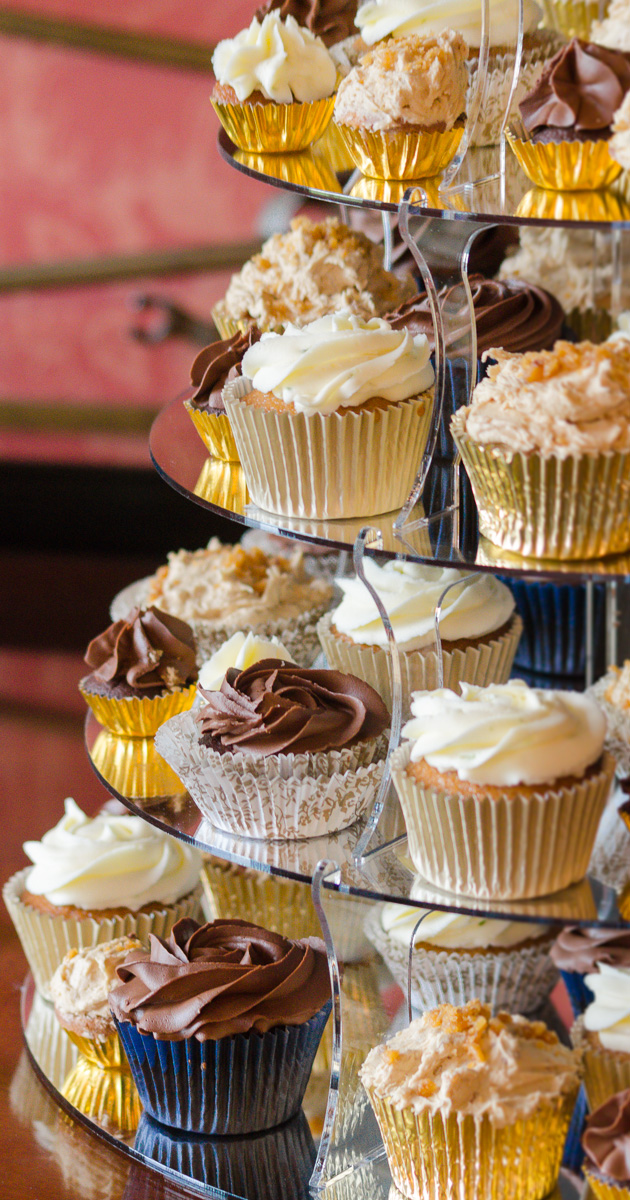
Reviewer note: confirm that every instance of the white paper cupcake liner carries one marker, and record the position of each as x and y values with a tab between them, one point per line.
481	665
500	66
617	722
508	848
349	463
46	939
514	980
290	796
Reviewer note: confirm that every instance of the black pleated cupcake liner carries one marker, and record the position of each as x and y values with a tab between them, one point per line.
241	1084
579	994
262	1166
573	1154
554	626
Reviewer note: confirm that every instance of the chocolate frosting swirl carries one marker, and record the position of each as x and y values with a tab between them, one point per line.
582	950
277	708
580	90
512	314
606	1138
331	20
215	365
216	980
147	649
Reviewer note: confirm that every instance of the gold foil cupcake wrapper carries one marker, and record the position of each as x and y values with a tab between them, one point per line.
290	796
549	507
345	464
605	1072
282	905
310	168
480	665
571	18
332	148
133	766
109	1097
505	847
105	1055
228	326
598	205
223	484
387	154
590	324
604	1188
565	166
274	128
434	1157
46	939
135	716
391	191
215	433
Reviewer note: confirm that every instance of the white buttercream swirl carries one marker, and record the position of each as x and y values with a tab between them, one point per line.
410	592
381	18
339	361
109	861
240	651
281	59
506	734
451	931
609	1013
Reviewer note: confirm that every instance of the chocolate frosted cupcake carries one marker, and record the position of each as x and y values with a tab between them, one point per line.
143	671
606	1142
221	1023
211	370
280	751
577	952
330	20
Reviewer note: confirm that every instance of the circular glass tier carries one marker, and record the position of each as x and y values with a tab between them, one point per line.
135	774
433	536
324	172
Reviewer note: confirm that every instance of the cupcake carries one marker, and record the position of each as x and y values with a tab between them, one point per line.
577	952
330	20
612	692
502	788
241	651
568	115
619	145
331	419
97	879
401	110
212	368
143	671
313	270
613	30
275	84
224	589
479	630
606	1142
378	19
545	444
602	1033
457	958
79	990
221	1023
109	1098
573	18
280	751
473	1105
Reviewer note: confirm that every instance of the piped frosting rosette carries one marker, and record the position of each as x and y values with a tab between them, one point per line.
478	628
502	788
606	1142
126	876
602	1034
280	752
504	964
578	951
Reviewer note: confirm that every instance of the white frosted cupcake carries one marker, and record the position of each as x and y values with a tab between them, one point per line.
97	879
240	651
502	788
479	629
602	1034
457	958
331	419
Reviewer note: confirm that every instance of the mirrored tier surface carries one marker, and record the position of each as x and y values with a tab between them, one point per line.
445	539
324	172
135	774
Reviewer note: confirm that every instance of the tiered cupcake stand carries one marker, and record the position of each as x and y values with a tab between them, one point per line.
369	861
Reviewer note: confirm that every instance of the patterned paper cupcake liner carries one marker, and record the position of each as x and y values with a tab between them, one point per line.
571	18
279	796
389	154
579	994
135	716
275	128
109	1097
604	1187
241	1084
46	939
549	507
554	626
250	1166
107	1054
133	766
565	166
345	464
605	1072
617	725
504	848
488	663
435	1157
215	433
499	73
514	980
